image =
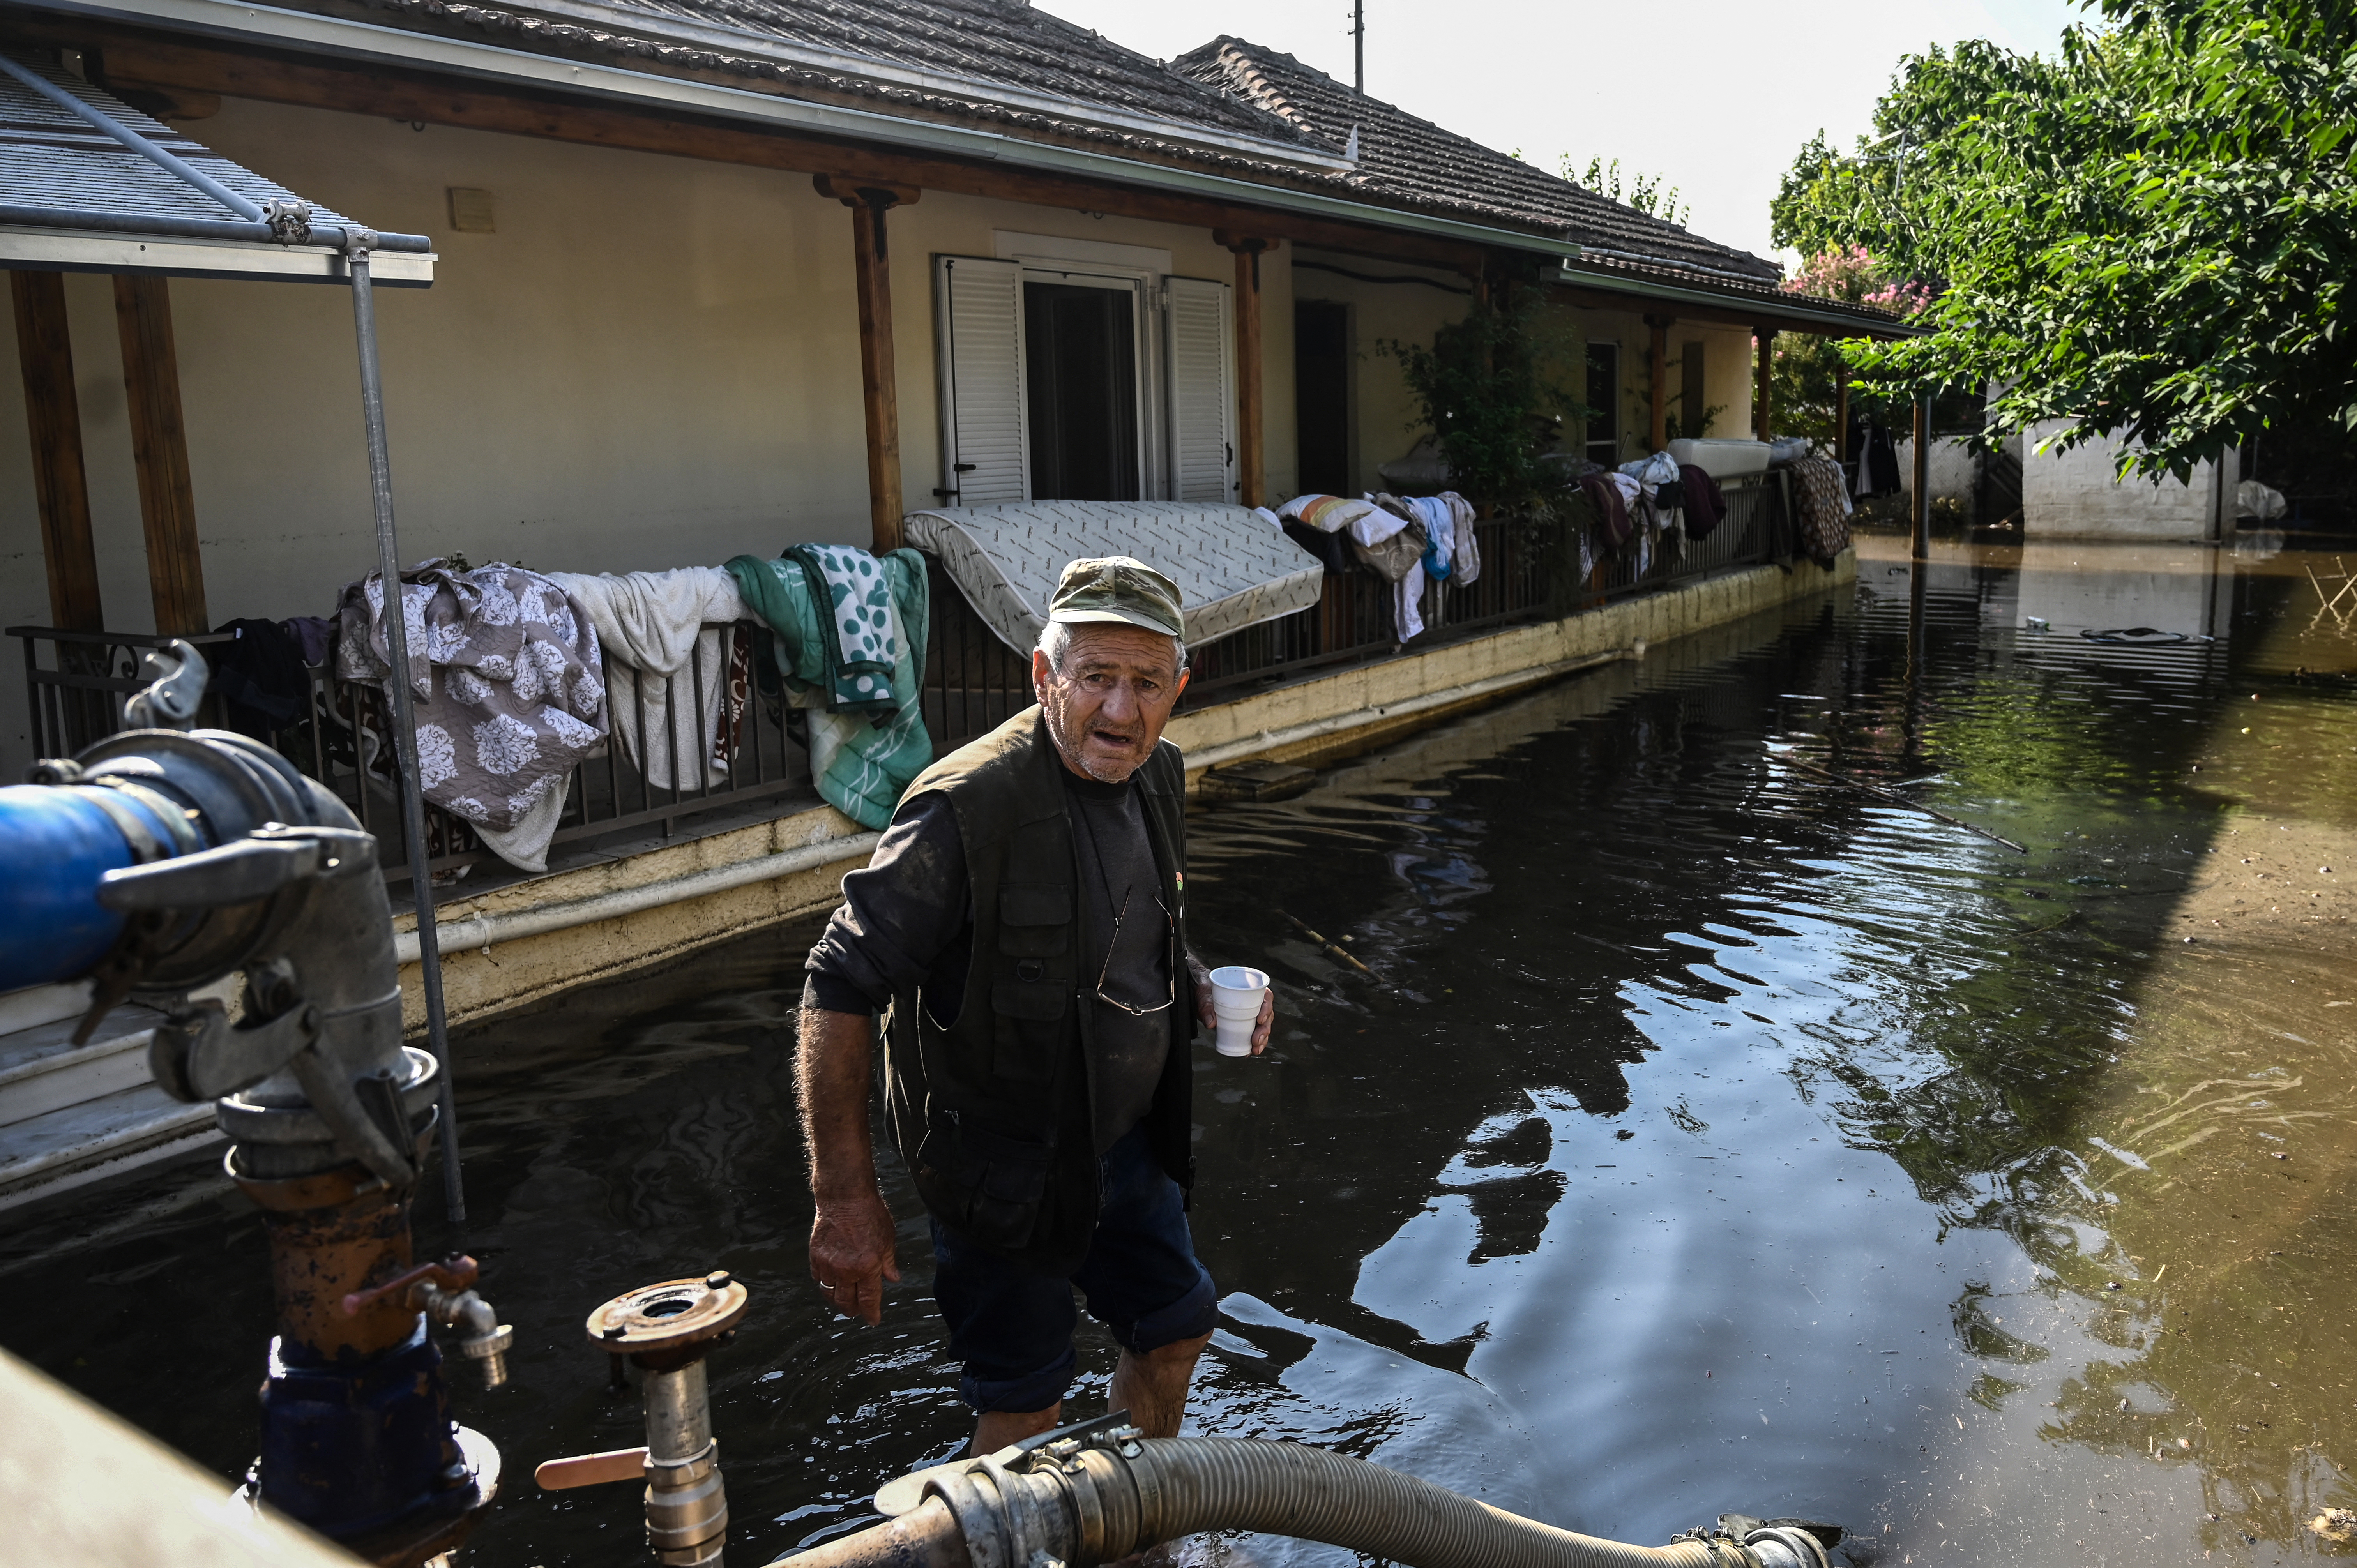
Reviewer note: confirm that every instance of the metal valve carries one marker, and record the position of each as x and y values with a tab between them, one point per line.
667	1330
443	1291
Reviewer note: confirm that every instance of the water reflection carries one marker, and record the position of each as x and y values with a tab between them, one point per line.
1710	1136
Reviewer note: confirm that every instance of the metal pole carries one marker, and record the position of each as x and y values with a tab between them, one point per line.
405	729
1921	550
1359	46
1918	659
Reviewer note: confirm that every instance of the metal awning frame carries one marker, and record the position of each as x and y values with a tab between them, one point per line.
247	245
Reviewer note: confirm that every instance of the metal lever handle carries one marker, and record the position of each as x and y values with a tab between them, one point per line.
592	1469
236	873
177	676
450	1273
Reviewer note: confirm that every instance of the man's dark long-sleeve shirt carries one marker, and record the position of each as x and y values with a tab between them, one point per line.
906	924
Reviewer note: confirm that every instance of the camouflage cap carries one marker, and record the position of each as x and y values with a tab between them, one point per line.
1116	588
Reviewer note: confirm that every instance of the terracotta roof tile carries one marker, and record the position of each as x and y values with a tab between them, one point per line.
1401	157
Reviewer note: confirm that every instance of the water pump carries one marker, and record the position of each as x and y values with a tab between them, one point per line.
161	860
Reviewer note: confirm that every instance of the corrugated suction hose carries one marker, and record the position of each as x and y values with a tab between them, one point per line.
1081	1505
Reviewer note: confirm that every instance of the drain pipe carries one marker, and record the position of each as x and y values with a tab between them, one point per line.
1095	1493
473	931
1208	757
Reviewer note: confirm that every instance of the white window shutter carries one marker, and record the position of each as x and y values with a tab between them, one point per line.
978	319
1202	393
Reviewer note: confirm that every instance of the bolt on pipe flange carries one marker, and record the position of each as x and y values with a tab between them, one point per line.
655	1324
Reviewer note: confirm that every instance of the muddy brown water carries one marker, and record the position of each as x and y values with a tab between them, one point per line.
1715	1138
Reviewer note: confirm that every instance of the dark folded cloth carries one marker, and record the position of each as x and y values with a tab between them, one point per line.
1610	509
260	677
1332	550
1705	506
312	635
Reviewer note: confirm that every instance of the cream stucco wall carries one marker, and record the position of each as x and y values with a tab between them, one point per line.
1396	310
652	362
1727	373
1400	310
1729	381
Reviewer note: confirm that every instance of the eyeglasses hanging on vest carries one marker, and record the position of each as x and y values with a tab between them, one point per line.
1119	916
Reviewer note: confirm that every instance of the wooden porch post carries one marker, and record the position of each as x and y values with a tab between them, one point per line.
879	388
53	419
1658	371
1841	419
1251	460
159	449
1763	412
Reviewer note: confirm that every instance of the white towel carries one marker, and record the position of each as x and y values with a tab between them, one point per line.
1407	606
651	625
1653	472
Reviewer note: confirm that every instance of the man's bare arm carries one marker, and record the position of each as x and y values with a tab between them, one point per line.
851	1236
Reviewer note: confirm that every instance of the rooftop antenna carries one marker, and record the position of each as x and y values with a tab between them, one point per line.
1359	46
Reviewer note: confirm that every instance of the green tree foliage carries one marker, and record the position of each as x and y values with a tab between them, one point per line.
1488	389
2151	235
1643	191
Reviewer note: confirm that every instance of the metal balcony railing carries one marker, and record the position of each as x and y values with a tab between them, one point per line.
973	681
76	684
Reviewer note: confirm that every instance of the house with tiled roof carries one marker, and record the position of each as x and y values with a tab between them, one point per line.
1668	321
1399	157
645	324
715	277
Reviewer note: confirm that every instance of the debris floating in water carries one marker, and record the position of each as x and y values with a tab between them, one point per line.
1338	952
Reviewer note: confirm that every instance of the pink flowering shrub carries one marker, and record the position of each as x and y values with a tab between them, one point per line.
1853	274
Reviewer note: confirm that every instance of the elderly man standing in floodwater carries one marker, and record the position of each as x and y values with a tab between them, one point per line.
1022	927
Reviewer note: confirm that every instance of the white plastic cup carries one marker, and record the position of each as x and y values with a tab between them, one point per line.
1236	994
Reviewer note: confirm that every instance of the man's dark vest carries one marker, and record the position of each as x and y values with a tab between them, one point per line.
992	1109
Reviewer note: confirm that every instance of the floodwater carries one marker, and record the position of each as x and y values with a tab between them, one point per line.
1713	1136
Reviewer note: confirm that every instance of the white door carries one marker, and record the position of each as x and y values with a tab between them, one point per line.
1203	399
985	446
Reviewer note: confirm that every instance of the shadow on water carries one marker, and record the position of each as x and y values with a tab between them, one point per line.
1713	1136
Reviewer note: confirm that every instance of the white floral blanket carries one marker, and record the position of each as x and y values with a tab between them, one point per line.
1233	568
508	690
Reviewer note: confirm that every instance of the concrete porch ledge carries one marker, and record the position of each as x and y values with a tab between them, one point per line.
507	947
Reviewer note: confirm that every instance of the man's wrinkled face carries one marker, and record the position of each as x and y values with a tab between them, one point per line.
1106	707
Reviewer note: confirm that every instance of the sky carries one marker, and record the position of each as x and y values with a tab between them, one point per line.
1715	96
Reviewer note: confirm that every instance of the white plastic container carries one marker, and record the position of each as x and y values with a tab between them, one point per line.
1236	994
1723	459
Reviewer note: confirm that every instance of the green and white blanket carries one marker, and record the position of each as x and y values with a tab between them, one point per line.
850	643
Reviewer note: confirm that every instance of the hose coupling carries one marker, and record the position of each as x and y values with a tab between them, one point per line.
1785	1546
1096	1491
483	1338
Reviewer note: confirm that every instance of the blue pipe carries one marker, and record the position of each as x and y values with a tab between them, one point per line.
55	844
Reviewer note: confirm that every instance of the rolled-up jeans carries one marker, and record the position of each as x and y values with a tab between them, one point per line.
1012	1327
